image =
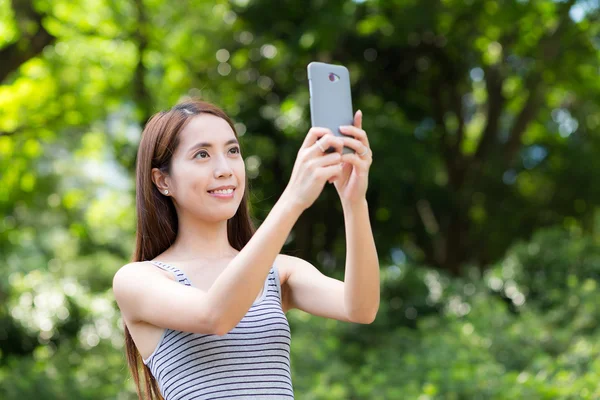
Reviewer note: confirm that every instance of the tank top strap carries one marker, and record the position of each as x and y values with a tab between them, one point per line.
177	273
274	281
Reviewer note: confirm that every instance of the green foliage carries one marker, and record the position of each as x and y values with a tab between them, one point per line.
483	342
483	117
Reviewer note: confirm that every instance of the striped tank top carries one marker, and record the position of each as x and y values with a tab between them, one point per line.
252	361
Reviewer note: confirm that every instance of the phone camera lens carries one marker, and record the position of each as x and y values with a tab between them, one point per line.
333	77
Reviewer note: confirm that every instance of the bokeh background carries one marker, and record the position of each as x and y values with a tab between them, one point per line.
484	119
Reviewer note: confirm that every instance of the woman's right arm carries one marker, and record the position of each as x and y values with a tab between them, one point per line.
162	302
145	293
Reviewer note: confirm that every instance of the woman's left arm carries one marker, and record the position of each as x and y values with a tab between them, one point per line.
357	298
361	280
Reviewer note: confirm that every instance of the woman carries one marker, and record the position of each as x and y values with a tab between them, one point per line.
203	304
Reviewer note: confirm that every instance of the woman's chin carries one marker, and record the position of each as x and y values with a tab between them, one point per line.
223	213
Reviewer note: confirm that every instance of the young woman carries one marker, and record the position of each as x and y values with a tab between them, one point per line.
204	301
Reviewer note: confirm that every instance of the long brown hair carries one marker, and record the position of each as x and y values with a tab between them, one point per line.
156	216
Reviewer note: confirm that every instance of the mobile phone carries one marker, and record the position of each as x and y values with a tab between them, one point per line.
330	98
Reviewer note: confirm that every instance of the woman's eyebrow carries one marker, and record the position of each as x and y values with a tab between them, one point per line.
207	144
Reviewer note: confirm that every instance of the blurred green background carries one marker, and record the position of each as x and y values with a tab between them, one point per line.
484	119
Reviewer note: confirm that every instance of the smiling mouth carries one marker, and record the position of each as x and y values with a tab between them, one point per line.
223	191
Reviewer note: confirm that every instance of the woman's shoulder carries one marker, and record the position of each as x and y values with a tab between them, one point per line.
136	267
136	271
133	281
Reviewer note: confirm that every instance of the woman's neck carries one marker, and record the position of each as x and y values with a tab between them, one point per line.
200	240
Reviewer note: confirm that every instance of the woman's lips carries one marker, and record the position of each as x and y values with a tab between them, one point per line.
222	194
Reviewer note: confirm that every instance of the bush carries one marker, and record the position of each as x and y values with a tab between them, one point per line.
526	329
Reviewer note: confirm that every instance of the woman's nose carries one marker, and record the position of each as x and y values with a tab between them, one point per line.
222	168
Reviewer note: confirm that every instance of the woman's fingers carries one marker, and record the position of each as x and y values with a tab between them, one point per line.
357	133
362	156
356	145
330	173
358	119
327	160
360	165
313	135
320	141
325	142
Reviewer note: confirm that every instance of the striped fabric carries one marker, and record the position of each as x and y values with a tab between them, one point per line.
252	361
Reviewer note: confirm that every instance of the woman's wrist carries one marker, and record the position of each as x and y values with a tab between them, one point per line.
291	203
349	206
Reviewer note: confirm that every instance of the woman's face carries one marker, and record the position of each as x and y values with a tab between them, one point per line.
208	176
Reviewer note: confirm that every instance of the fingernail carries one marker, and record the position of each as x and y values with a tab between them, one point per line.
359	112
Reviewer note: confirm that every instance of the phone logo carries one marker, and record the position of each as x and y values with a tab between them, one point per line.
333	77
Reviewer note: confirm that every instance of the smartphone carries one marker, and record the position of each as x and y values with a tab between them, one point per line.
330	98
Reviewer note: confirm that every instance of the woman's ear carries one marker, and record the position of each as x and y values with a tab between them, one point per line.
161	181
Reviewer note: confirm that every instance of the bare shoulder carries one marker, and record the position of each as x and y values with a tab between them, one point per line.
129	281
148	295
133	271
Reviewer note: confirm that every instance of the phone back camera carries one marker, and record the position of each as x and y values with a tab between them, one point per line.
333	77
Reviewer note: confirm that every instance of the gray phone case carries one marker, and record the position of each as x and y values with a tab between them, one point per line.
330	97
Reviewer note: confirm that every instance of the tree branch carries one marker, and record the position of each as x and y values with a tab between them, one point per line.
438	114
31	43
525	116
495	103
141	93
457	109
547	50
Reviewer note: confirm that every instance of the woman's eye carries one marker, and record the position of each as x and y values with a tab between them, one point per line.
235	150
201	152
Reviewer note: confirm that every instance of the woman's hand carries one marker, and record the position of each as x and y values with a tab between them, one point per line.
314	167
352	183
